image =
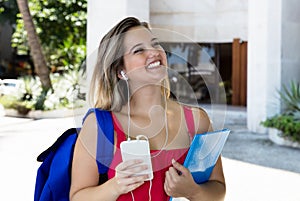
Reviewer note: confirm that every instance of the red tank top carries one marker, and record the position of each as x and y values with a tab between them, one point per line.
160	164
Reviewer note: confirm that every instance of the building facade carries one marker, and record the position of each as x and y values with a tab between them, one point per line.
253	44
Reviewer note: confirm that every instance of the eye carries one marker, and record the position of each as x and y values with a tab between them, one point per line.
139	50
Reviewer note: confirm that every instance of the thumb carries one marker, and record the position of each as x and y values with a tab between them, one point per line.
179	167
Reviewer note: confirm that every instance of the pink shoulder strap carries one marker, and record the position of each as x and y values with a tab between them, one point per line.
189	118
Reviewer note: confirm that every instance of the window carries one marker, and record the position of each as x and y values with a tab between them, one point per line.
205	66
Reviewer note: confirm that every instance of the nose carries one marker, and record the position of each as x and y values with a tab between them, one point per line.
153	51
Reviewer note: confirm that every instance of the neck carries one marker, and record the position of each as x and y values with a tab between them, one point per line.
146	98
147	111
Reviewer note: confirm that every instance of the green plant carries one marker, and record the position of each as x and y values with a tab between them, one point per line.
8	100
12	102
288	124
66	91
288	121
65	94
291	97
61	27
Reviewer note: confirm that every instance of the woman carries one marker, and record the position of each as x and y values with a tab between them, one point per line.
130	79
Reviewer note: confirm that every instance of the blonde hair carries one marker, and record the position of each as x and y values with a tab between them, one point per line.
107	91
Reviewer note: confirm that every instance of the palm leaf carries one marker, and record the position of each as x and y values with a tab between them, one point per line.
291	97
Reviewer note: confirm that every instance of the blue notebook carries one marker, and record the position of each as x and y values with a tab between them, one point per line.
203	154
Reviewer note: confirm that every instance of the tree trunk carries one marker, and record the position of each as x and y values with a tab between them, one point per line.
39	60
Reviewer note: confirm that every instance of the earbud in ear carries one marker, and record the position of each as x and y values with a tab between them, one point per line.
124	75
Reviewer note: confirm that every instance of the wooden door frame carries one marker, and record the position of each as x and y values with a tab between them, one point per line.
239	72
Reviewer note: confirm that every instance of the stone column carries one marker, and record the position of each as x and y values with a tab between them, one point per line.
264	61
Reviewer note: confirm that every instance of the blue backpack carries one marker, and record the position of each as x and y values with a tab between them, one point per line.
53	178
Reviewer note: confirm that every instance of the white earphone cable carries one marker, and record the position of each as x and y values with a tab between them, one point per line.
166	124
150	187
128	111
128	131
149	192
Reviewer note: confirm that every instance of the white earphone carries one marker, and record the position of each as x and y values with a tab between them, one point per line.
124	75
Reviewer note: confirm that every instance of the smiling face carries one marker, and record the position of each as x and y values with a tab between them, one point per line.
145	60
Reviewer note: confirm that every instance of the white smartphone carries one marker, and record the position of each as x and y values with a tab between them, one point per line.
138	149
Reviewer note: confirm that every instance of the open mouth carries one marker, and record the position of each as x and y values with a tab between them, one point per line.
153	65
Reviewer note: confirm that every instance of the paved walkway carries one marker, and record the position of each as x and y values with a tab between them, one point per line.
255	169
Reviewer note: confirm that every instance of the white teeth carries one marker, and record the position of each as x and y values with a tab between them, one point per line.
153	65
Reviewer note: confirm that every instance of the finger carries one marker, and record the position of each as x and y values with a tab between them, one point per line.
179	167
132	180
132	171
166	188
173	172
169	179
137	168
129	187
129	163
169	184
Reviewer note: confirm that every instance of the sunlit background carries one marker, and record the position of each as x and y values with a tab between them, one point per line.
248	48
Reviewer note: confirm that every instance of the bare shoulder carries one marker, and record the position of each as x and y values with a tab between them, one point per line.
90	123
88	133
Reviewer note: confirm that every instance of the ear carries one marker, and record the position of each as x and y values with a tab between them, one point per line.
122	75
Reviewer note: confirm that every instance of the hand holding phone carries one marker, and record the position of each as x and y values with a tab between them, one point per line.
138	149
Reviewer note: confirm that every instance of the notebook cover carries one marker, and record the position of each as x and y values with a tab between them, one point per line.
203	154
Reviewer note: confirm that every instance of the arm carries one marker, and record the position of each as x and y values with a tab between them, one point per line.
183	185
85	176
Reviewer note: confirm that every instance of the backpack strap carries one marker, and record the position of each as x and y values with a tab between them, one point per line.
60	140
105	138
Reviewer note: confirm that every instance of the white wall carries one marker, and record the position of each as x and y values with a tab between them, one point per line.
201	21
273	56
290	41
102	16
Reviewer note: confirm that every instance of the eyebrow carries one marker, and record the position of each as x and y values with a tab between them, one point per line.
139	44
131	49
